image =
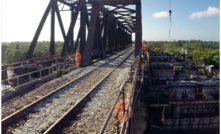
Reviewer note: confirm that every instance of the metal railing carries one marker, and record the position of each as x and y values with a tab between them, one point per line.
122	92
51	70
125	123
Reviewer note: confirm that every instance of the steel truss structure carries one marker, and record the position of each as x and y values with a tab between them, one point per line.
108	31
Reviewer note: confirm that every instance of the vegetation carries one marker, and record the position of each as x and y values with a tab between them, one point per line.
198	52
17	51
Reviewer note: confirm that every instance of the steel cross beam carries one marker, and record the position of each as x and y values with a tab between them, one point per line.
105	11
83	27
35	39
71	27
106	32
52	48
118	2
60	22
72	32
138	30
123	7
91	31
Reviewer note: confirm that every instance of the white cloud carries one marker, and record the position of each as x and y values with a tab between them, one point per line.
210	11
208	24
162	14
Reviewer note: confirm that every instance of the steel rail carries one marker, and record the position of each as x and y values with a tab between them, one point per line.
50	129
22	93
20	112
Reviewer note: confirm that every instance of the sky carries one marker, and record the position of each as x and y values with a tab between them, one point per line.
190	19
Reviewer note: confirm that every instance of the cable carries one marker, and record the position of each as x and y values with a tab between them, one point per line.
170	27
169	4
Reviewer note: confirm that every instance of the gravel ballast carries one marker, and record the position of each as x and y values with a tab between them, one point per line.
94	113
47	112
50	86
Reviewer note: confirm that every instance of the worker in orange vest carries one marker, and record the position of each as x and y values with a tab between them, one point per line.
144	49
78	58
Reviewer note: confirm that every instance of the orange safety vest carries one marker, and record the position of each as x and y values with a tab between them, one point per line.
78	58
144	48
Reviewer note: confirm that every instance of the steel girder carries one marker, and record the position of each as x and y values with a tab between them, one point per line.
118	2
52	45
71	27
108	31
35	39
138	27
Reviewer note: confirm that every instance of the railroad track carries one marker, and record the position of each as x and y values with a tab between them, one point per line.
72	93
90	115
23	100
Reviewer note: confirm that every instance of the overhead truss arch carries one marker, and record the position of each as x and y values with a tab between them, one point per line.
108	30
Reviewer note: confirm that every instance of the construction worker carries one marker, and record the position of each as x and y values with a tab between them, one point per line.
78	58
144	48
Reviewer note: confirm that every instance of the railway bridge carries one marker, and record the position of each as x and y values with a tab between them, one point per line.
102	32
117	89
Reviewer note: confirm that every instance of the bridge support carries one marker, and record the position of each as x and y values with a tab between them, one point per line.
35	39
108	31
52	48
138	35
71	27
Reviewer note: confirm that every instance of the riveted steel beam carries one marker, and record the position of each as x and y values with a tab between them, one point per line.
52	46
114	27
68	37
72	33
60	22
35	39
100	42
83	28
68	4
138	30
105	23
90	38
118	2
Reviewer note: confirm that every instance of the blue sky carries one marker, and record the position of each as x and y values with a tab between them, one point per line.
20	20
205	27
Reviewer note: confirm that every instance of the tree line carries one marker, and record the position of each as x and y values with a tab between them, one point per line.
17	51
198	52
